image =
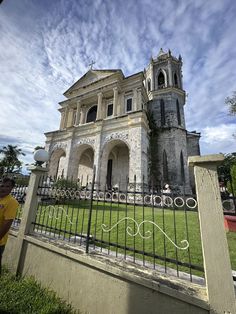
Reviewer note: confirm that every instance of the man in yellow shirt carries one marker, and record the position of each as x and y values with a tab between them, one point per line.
8	207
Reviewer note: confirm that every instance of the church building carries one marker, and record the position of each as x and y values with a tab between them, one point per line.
125	127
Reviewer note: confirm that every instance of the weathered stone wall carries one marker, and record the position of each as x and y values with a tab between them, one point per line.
173	141
193	149
170	110
98	285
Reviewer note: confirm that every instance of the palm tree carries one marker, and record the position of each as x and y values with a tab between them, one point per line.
10	162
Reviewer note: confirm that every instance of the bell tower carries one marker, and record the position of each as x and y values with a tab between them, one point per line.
163	78
164	86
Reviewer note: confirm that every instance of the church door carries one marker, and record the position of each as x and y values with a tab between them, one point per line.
109	173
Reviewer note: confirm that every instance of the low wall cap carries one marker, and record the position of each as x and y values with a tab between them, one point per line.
215	158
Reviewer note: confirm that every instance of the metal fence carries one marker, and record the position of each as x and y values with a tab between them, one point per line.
19	192
139	223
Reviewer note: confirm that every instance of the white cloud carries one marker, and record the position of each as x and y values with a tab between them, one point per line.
47	46
219	138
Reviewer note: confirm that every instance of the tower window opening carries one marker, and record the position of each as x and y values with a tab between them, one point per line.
182	167
161	80
163	114
149	85
175	80
165	168
178	112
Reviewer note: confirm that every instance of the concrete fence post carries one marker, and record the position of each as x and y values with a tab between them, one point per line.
28	214
218	273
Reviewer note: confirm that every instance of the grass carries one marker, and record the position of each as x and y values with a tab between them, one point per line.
231	237
25	295
73	218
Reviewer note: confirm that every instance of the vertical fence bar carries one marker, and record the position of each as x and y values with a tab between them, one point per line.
118	217
134	207
218	273
143	218
90	211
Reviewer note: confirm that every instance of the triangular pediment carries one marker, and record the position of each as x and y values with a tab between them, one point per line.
90	77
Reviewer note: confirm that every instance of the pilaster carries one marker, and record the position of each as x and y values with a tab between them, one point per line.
78	108
135	100
170	73
115	101
82	116
99	111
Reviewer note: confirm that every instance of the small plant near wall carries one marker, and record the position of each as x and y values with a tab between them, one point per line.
63	183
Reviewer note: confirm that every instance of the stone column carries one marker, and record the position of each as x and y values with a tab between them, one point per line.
99	111
135	100
29	213
70	117
122	104
82	117
139	99
66	117
77	121
115	101
152	77
170	81
62	124
218	273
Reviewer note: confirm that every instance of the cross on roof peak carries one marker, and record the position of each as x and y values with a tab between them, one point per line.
91	64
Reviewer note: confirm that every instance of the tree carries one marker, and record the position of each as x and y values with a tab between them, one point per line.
224	170
227	174
231	102
10	162
38	147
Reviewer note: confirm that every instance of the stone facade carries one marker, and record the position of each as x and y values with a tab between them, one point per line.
104	123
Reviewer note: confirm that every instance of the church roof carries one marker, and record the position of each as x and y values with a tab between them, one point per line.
92	76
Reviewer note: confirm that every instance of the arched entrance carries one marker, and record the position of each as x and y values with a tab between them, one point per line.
85	167
81	164
57	163
115	165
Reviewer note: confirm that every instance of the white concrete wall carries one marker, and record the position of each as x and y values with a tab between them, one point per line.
99	285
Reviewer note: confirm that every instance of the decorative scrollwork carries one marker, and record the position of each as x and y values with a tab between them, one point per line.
50	211
147	234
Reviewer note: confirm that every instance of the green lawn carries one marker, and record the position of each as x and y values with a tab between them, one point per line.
26	296
74	219
178	225
231	237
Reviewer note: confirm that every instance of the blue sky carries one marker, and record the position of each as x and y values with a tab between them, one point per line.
46	45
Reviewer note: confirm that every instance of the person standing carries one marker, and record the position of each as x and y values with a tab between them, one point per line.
167	201
8	207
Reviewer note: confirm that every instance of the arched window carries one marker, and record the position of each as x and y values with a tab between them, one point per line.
182	167
161	80
92	114
163	114
165	168
149	85
175	80
178	112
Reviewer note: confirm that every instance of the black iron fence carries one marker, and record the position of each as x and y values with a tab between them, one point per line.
139	223
19	192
